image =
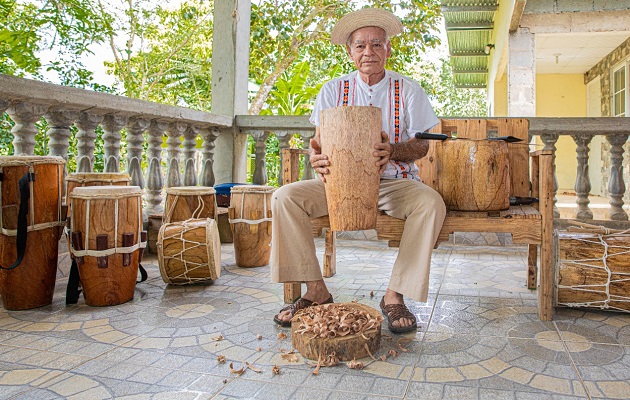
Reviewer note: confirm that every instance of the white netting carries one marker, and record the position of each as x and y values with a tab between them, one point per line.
613	243
191	268
95	194
197	212
248	190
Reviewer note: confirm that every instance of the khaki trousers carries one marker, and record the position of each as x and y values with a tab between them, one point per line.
293	257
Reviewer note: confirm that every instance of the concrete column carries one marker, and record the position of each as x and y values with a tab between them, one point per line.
522	74
230	71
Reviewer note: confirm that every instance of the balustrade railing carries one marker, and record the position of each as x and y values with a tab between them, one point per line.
154	126
27	101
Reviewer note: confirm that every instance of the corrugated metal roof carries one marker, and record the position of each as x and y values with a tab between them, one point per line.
469	25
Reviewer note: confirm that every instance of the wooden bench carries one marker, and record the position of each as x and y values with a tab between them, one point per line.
530	174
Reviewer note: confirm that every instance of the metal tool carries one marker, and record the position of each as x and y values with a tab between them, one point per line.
431	136
522	201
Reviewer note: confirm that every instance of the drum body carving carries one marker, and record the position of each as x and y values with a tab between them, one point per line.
189	251
474	174
187	202
32	283
250	220
348	136
106	234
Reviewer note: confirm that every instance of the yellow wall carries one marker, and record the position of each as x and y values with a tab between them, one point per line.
500	97
562	96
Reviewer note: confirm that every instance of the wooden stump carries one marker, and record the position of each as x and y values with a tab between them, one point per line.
346	348
474	174
348	136
592	271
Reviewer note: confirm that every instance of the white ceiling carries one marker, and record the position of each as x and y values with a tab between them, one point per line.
577	52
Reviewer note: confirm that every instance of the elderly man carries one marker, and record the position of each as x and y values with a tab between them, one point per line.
406	110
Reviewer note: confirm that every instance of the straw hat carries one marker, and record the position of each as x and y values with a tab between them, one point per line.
365	17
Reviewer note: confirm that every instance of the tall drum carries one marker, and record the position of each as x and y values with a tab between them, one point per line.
31	220
348	136
187	202
189	251
107	241
250	220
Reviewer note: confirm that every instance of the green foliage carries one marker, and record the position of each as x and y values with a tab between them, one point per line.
28	27
168	53
447	100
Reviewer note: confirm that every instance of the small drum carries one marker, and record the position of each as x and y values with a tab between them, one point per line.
107	241
189	251
31	282
250	220
187	202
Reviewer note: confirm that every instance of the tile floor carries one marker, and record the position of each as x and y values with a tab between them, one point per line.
480	338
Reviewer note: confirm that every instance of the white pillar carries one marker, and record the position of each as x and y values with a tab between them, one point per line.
522	74
230	71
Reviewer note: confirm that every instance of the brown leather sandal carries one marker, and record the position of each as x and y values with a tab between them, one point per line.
394	312
300	304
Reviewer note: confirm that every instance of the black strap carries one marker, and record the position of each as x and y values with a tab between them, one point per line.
22	226
143	274
72	290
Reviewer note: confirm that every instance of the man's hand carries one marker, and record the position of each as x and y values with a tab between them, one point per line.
319	161
383	152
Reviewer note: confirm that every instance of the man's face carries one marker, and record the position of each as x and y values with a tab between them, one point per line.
369	49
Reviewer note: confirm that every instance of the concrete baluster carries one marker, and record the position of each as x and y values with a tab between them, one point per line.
260	154
155	181
582	180
174	131
25	115
59	123
135	128
207	172
112	124
550	139
86	136
190	141
283	143
616	185
308	173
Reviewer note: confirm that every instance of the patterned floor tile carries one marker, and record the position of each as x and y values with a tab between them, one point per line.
494	363
479	337
604	368
489	316
595	326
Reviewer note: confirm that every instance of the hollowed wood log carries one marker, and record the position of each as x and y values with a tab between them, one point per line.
348	136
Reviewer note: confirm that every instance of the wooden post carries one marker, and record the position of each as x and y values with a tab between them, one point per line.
545	289
330	254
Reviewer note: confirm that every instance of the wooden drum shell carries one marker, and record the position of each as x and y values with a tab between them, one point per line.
250	219
32	283
474	174
186	202
83	179
189	251
116	282
348	136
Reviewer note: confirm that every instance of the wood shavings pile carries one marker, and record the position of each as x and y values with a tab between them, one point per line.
336	320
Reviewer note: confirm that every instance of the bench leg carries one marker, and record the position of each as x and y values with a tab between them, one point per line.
532	266
292	291
330	254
